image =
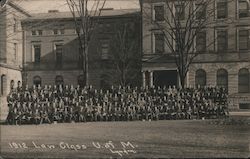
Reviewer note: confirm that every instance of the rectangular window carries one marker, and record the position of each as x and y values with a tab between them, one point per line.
59	54
244	42
40	32
222	10
37	53
15	25
201	41
33	32
36	32
159	43
15	51
55	31
58	32
200	11
159	13
180	11
222	40
244	105
104	49
243	8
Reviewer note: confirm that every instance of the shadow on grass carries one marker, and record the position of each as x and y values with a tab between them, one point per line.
232	120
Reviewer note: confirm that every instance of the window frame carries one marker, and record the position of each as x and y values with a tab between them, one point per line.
39	80
57	82
34	46
154	12
244	87
197	41
199	12
221	75
225	15
155	43
225	48
58	63
247	11
183	13
247	36
199	77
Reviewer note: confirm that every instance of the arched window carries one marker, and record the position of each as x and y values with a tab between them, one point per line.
222	78
19	83
37	81
243	82
200	78
12	84
59	80
81	81
104	82
3	84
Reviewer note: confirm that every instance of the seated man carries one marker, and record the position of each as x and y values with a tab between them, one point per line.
45	117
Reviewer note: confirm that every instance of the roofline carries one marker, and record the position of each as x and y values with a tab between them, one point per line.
33	18
17	7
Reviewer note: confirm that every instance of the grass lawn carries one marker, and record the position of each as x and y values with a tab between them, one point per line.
156	139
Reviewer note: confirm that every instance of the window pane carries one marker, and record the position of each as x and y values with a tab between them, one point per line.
179	11
37	81
81	81
200	78
59	80
222	78
243	39
201	11
222	40
221	10
159	13
33	32
55	31
159	43
201	41
59	54
40	32
37	53
243	9
244	81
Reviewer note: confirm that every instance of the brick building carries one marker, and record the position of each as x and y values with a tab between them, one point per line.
224	63
52	47
41	46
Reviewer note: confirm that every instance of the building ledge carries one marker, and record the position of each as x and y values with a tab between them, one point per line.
8	66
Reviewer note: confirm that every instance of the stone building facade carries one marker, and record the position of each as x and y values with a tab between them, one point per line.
229	67
11	49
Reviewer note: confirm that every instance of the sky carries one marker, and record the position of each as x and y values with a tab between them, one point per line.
42	6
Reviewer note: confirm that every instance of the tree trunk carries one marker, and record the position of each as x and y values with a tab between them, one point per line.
182	80
86	66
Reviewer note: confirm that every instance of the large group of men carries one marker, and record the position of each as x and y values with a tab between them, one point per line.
59	104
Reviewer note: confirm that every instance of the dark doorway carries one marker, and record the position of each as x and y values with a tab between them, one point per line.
165	78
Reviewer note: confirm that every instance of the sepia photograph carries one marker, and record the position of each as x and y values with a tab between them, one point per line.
124	79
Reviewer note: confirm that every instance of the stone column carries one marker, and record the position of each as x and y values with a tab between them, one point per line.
143	79
151	78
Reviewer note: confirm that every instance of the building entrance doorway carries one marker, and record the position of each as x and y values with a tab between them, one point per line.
165	78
